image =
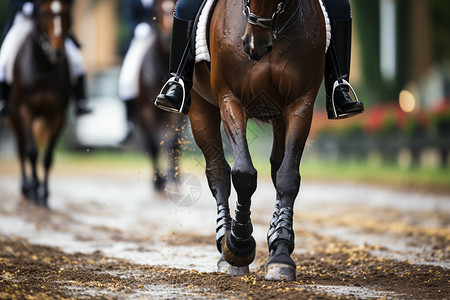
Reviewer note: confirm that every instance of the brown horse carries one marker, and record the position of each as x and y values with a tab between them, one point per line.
158	126
40	94
285	41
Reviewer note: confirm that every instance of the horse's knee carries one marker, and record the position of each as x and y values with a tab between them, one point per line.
32	153
218	176
244	180
48	161
288	184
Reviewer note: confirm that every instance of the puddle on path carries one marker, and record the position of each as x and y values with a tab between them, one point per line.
358	292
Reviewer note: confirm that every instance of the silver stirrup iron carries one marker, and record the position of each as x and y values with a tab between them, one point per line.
335	86
164	89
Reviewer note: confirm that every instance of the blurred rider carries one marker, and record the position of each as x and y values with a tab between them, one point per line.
19	26
137	15
339	104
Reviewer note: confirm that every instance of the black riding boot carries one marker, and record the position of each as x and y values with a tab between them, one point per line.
3	98
339	104
175	95
81	107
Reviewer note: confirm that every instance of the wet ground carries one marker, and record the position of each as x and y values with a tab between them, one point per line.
108	235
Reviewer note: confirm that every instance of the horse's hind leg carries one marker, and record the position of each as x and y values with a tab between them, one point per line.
239	249
205	124
280	237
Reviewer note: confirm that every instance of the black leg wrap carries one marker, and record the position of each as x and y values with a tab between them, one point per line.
281	230
223	225
280	238
237	252
241	226
239	247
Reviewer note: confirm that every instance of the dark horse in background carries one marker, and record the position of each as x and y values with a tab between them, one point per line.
40	95
160	129
267	64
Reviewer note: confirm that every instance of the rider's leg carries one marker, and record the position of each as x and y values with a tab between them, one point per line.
78	77
3	85
129	74
14	38
175	98
337	63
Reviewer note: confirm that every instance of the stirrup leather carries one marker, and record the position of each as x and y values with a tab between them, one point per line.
177	81
335	86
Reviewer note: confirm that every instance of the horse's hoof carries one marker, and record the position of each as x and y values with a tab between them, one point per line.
280	272
238	253
42	196
42	202
224	267
159	183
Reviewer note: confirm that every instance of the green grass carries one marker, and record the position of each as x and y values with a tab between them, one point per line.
418	178
425	179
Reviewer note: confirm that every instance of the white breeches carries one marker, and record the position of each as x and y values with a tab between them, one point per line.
129	73
20	29
75	59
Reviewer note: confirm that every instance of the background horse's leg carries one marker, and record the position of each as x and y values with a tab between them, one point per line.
280	236
32	153
176	121
239	249
149	122
205	124
20	134
153	149
54	129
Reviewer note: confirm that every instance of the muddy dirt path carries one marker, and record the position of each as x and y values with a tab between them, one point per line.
108	235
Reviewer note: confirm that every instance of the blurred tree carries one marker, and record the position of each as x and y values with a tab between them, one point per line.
440	10
366	19
416	22
4	11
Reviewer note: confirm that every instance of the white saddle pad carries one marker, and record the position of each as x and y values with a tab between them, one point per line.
201	42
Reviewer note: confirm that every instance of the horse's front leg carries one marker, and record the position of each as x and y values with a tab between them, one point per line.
177	122
239	248
55	129
32	154
280	237
151	145
20	133
205	125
